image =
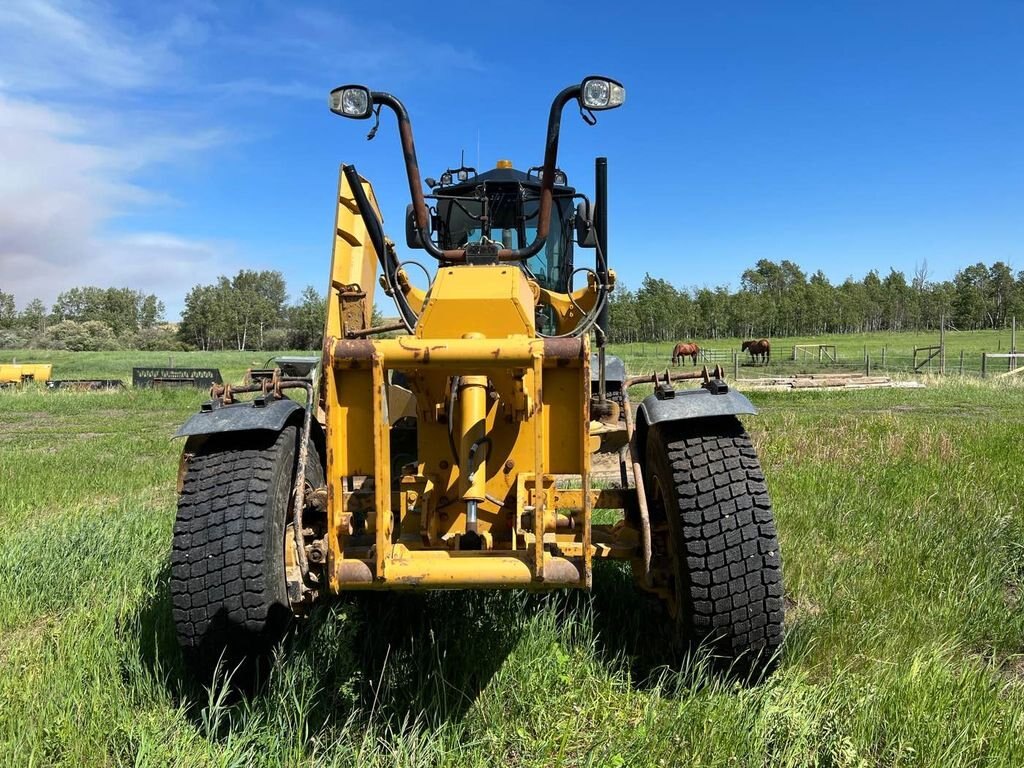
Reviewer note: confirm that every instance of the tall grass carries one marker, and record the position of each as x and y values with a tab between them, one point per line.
902	532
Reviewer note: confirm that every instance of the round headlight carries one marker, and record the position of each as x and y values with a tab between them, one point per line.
354	102
602	93
596	94
351	101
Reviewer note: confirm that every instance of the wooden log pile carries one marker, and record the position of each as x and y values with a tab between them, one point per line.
825	381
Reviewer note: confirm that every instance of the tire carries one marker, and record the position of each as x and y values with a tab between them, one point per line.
229	598
708	499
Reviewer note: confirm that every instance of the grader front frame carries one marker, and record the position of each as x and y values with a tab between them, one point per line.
458	454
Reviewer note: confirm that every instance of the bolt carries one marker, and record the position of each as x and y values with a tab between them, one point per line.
509	465
443	464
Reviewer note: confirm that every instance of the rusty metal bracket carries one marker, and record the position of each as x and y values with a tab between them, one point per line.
641	494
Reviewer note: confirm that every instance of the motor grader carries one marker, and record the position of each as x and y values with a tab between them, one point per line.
458	452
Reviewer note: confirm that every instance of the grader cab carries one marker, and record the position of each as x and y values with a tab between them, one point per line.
458	453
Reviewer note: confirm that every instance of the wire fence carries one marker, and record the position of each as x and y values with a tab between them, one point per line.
784	361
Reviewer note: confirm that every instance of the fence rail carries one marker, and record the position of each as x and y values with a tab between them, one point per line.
914	361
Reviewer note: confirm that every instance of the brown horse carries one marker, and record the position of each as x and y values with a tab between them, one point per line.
758	348
684	350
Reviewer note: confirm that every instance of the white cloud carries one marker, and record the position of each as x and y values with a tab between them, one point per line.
70	167
83	137
71	45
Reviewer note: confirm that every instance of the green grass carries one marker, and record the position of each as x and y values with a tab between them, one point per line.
895	349
640	357
903	538
118	365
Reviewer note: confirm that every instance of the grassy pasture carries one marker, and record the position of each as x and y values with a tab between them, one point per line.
898	355
902	532
640	357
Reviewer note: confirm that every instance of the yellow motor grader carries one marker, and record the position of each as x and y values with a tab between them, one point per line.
457	454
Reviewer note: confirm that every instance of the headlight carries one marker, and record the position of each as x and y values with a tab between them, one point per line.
602	93
351	101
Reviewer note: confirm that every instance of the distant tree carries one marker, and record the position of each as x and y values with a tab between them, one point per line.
256	300
970	306
33	317
1001	294
124	310
8	313
203	322
234	312
306	320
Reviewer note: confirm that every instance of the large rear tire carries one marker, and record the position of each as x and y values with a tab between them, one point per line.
228	589
715	532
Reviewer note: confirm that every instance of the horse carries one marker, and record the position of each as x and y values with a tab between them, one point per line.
758	347
683	350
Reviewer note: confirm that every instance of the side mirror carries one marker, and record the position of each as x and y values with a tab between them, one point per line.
586	237
601	93
352	101
412	232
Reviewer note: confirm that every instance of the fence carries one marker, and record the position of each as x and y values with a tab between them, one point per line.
643	358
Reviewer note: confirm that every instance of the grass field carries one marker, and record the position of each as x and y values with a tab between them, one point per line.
640	357
902	533
892	352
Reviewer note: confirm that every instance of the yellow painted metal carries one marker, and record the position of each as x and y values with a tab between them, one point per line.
444	569
473	434
494	301
347	407
384	519
353	260
520	399
15	373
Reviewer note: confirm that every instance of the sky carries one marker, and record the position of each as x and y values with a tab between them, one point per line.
157	146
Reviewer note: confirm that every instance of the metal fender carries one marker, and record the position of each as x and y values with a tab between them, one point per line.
688	404
240	417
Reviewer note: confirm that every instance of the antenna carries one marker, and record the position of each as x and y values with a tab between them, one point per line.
462	160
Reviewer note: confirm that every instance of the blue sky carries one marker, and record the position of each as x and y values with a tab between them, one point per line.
160	147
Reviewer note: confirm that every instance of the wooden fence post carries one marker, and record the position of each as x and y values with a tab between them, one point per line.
867	364
883	356
942	345
983	366
735	365
961	362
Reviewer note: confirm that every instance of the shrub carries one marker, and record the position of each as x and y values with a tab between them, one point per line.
159	338
90	336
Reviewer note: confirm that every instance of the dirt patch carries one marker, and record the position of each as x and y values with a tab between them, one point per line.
26	634
1013	667
800	609
1011	596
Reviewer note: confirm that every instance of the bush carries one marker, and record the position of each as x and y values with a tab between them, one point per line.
159	338
275	338
90	336
10	339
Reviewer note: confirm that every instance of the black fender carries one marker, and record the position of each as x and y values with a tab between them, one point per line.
250	416
686	405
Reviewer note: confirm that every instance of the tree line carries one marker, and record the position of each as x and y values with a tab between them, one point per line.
779	299
86	318
251	311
